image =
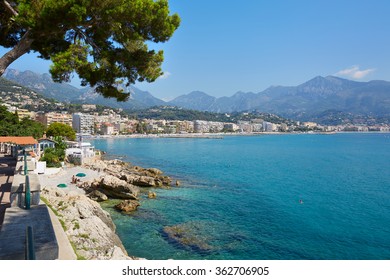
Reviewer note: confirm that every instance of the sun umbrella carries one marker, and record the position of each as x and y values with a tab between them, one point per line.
80	175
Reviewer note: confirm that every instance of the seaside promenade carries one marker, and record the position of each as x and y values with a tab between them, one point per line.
7	169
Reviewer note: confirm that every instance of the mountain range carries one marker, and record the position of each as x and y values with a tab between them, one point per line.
310	98
302	102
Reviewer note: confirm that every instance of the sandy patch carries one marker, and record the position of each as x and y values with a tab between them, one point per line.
64	176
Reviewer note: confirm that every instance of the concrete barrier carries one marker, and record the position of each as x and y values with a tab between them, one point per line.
19	169
18	190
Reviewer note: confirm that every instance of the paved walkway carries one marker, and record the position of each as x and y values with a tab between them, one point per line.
7	168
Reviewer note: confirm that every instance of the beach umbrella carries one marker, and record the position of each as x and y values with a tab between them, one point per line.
80	175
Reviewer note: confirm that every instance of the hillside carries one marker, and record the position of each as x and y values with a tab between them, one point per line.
177	113
43	84
25	98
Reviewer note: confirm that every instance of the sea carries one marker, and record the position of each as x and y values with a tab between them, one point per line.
263	197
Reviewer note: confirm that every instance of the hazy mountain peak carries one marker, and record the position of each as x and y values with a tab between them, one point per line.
195	99
197	93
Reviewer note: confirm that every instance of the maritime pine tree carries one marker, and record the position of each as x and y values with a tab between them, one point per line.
103	41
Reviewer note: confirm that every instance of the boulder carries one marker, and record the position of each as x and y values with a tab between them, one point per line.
137	168
155	171
166	180
152	195
97	195
127	205
141	180
117	188
177	183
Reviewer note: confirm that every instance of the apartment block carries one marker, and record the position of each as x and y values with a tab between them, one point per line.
83	123
53	117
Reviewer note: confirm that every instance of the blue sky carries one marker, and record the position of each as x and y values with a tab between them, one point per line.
225	46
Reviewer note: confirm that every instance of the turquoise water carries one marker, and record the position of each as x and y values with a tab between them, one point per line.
240	197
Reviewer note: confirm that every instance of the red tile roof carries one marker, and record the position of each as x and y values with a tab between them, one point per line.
19	140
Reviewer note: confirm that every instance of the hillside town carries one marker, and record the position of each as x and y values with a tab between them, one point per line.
90	119
112	122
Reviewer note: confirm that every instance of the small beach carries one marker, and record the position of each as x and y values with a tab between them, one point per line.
56	176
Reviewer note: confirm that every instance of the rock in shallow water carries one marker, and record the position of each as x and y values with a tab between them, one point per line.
190	235
152	194
127	205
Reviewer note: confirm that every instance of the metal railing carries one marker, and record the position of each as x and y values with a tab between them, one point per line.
30	246
25	162
27	197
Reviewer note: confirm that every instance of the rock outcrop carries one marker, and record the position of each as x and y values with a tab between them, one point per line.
88	227
135	175
142	181
109	186
127	205
117	188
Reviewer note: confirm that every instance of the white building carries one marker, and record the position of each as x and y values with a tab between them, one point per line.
216	126
201	126
83	123
269	127
257	127
79	152
232	127
245	126
54	117
108	129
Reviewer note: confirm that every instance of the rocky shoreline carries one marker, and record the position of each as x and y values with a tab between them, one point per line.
123	180
89	228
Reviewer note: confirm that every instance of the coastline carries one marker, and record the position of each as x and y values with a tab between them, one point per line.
189	136
172	229
221	135
89	228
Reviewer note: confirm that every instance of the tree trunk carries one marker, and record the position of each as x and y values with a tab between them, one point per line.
22	47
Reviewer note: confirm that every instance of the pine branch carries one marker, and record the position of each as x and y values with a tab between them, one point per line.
9	7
